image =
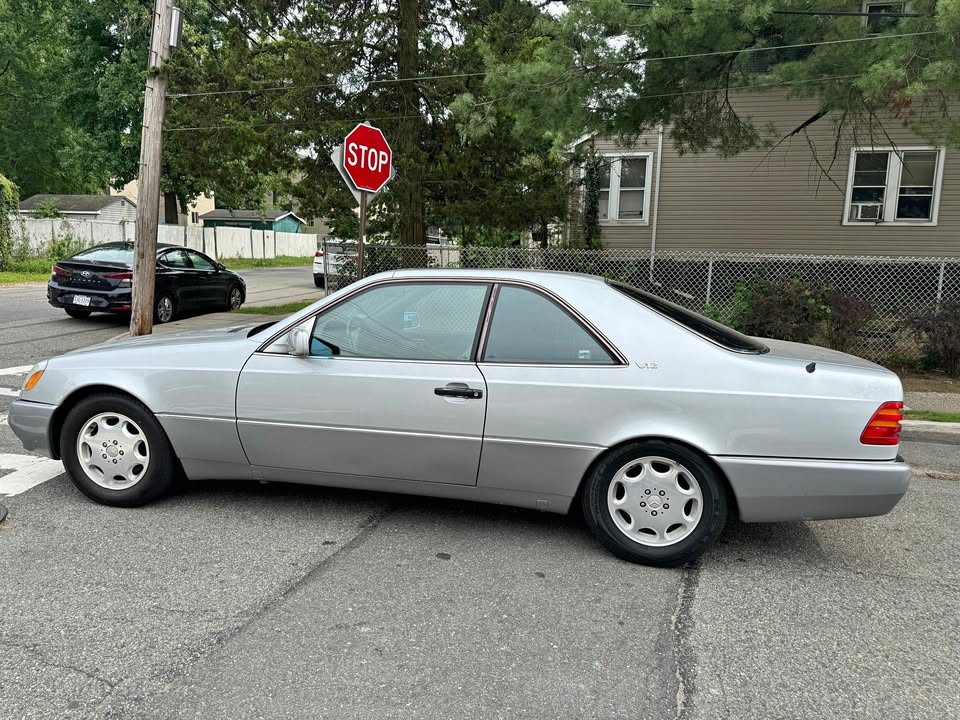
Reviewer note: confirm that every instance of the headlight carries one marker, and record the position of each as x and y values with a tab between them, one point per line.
34	377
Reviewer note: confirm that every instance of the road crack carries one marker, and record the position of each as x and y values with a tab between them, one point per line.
681	626
42	657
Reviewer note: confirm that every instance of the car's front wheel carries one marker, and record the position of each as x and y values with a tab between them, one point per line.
235	298
79	314
655	502
116	452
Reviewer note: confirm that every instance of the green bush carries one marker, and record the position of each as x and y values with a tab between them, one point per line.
780	309
9	206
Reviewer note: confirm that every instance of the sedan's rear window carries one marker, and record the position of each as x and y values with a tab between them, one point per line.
703	326
115	254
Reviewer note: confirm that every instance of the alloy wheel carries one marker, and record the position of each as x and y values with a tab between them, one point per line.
655	501
113	451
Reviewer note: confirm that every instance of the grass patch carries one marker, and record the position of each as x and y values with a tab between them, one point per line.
934	416
286	309
9	278
251	263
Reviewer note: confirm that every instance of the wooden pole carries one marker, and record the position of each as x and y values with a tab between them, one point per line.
148	183
363	233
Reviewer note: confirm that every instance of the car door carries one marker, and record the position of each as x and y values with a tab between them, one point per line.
210	283
390	388
554	386
175	271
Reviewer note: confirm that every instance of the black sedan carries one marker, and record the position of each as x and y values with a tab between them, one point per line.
99	279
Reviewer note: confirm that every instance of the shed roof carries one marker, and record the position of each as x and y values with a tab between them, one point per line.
73	203
249	215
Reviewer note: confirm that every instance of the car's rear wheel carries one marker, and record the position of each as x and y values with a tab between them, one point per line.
235	298
79	314
163	308
116	452
319	280
655	502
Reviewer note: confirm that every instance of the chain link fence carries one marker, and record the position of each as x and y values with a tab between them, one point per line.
892	289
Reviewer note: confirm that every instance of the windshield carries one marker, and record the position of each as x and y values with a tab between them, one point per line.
703	326
113	254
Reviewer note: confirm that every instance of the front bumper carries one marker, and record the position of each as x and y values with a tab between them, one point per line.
778	489
30	421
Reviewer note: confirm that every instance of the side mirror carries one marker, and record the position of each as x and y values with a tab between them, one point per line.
221	266
299	341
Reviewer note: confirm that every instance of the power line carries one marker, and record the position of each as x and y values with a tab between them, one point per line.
227	17
826	13
772	47
280	88
297	123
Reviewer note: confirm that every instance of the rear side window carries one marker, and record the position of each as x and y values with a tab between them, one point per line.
528	327
703	326
116	254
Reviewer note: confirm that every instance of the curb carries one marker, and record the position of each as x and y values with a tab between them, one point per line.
943	428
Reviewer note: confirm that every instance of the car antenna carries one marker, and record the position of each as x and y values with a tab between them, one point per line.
811	367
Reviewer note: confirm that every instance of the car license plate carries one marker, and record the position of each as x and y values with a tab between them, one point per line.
83	300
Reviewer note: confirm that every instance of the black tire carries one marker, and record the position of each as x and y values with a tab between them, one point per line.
713	514
161	313
162	468
235	290
320	281
79	314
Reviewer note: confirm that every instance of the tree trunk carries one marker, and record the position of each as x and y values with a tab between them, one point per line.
171	214
410	165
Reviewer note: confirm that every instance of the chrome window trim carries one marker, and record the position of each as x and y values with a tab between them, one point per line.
618	358
392	281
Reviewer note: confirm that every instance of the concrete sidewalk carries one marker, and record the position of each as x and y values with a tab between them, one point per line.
933	401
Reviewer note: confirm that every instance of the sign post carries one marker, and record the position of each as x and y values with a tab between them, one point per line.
365	161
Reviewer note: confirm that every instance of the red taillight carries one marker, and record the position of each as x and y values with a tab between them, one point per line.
319	253
884	427
57	270
119	276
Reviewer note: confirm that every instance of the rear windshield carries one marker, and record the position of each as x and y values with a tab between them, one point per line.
113	254
703	326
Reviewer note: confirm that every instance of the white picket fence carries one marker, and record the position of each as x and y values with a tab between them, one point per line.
219	242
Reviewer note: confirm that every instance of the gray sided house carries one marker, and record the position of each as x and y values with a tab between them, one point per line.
889	192
99	208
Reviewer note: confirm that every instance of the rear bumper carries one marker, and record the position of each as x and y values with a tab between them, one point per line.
30	421
102	300
777	489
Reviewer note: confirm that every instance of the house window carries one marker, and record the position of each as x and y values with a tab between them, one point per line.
624	189
878	18
894	185
195	218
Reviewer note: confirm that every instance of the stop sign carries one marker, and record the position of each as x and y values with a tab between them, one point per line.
367	158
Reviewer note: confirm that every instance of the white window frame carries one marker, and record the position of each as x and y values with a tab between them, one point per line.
865	6
613	199
892	192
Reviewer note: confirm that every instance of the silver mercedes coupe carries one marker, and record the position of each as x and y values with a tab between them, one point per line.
532	389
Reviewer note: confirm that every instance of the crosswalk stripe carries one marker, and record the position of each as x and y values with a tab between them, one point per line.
9	392
17	370
28	471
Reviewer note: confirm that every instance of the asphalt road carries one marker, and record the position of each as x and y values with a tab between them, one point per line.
240	600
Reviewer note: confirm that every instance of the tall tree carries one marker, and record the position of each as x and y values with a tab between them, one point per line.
616	67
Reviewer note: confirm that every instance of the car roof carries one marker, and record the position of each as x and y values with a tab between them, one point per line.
121	244
547	278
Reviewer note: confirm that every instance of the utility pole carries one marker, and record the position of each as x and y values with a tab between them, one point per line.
148	183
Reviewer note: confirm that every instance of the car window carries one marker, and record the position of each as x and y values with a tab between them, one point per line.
122	254
404	321
175	259
528	327
703	326
200	262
